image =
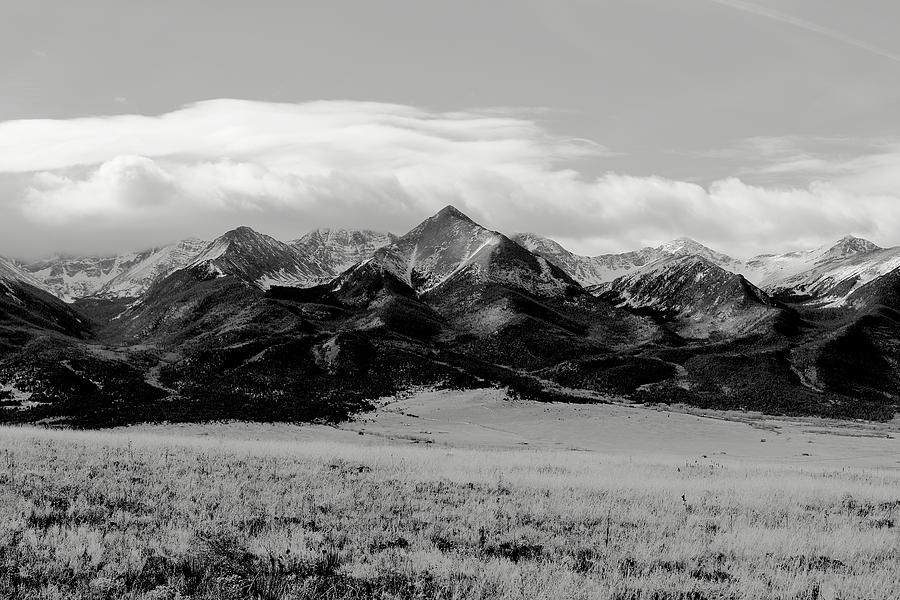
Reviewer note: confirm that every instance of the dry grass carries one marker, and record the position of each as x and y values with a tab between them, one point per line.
102	515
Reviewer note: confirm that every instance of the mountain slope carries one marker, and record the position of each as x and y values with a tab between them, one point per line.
158	264
478	292
73	277
450	244
320	256
10	271
856	352
828	274
229	349
769	269
702	298
25	306
41	338
374	299
502	303
126	275
883	291
687	247
257	259
587	270
593	271
333	251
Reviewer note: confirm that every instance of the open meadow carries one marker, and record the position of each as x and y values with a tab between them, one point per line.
560	502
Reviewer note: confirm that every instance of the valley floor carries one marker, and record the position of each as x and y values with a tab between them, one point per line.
482	419
456	495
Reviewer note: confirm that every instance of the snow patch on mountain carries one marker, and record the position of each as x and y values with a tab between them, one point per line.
12	273
256	259
701	297
827	274
685	246
450	246
333	251
587	270
594	271
125	275
436	249
159	264
73	277
212	251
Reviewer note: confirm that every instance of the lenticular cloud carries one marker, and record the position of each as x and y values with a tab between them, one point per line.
287	167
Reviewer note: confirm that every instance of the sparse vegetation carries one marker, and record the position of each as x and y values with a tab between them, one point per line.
113	515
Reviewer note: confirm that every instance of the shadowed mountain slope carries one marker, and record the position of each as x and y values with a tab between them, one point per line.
256	259
25	308
701	298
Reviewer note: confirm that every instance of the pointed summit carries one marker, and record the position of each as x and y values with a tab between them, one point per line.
451	211
700	297
241	233
849	245
827	273
451	245
254	258
685	246
436	248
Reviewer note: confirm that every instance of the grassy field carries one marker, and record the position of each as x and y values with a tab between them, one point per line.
138	514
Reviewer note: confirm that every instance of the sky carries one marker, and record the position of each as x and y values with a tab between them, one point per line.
751	126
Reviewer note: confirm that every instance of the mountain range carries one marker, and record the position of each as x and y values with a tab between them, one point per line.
249	327
593	271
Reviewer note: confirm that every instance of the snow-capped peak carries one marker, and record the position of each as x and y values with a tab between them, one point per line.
436	248
450	245
849	245
700	295
158	264
333	251
325	236
452	212
120	275
686	246
255	258
540	245
245	235
828	273
683	245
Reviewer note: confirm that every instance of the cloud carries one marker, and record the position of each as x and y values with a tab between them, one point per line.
228	161
860	166
125	186
126	181
623	212
306	137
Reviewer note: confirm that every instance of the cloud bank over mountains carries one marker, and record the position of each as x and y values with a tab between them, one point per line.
115	182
